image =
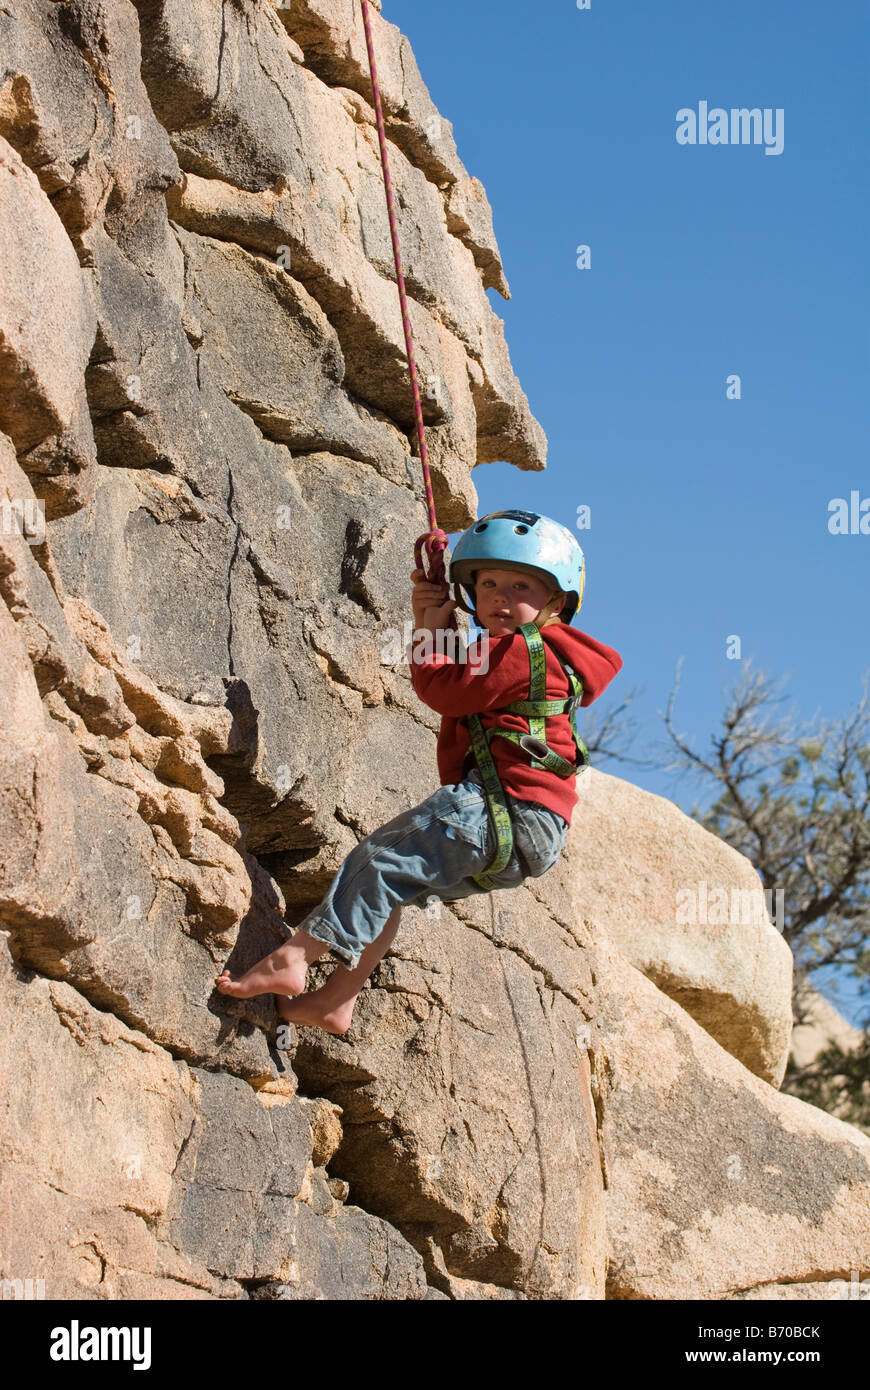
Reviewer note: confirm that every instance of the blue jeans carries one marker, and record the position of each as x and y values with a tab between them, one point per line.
433	850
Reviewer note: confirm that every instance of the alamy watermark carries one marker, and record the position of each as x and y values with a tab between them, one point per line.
421	644
855	1288
21	1290
741	125
24	516
850	518
77	1343
706	904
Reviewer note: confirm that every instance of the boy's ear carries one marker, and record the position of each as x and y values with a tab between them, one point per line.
557	603
551	609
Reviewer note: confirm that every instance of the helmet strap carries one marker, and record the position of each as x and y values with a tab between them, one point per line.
461	601
549	610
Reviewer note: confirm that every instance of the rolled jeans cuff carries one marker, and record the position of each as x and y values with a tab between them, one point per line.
325	934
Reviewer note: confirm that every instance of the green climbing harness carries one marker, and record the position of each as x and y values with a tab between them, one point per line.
537	709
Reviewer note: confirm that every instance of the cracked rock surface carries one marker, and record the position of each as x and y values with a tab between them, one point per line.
208	499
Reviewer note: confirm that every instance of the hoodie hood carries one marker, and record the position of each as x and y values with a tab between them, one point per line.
595	663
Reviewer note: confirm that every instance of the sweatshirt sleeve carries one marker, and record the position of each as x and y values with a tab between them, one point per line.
496	673
598	667
472	686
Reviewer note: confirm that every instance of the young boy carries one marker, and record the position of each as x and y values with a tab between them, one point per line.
518	568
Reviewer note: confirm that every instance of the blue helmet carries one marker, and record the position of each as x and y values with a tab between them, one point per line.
521	540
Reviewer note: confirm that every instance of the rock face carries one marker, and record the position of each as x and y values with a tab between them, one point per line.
208	497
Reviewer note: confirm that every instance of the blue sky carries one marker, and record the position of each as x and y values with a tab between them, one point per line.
709	516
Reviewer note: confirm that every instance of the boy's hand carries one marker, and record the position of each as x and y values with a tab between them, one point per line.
432	608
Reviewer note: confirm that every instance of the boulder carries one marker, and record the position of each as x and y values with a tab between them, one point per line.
690	912
717	1184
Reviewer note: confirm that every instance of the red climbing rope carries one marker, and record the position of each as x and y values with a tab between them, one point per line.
435	541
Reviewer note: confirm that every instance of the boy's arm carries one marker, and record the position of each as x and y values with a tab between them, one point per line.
601	663
457	688
447	686
499	674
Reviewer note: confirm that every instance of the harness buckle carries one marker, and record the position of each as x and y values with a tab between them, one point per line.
536	746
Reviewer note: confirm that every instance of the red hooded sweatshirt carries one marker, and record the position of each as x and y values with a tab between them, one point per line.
454	689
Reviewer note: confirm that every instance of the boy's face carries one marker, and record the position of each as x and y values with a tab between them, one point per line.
505	599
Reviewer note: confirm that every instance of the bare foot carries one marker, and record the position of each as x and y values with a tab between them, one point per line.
283	972
316	1011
